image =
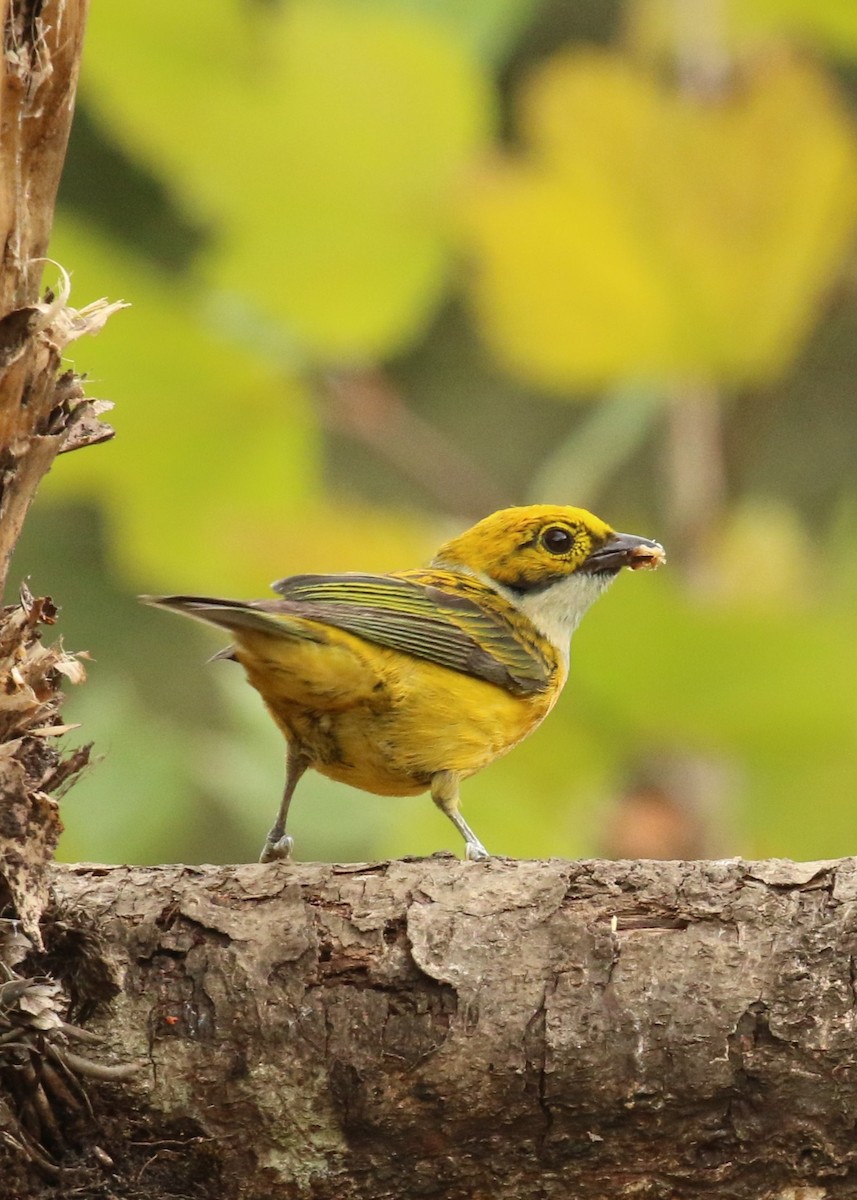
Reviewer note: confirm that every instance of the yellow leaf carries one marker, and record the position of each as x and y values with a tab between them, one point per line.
645	232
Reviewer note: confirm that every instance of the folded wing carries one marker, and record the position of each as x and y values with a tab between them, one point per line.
427	614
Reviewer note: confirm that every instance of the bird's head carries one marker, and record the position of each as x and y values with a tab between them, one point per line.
552	561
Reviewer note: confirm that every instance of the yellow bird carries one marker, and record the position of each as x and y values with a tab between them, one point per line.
412	681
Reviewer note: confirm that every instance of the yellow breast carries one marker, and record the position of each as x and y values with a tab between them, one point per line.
382	720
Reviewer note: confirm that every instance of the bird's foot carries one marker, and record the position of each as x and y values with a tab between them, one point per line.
475	852
277	849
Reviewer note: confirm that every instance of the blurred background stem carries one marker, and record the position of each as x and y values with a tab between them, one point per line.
695	476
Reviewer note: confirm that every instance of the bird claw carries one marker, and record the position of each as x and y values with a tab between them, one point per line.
277	851
475	852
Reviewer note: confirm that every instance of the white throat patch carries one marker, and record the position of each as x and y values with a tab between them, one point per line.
558	610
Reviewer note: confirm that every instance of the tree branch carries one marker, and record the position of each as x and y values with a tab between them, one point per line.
439	1028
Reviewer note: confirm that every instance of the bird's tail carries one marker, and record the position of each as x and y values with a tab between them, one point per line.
236	615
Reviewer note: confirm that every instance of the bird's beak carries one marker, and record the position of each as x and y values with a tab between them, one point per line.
624	550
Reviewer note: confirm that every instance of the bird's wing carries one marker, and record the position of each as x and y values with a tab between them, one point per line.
432	615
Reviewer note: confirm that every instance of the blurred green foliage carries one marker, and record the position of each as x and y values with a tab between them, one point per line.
373	251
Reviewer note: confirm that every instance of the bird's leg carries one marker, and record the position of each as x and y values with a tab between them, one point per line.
278	845
444	792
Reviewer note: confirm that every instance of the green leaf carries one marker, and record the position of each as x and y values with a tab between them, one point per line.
322	141
489	27
215	447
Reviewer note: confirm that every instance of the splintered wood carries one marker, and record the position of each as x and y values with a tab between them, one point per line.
33	767
43	412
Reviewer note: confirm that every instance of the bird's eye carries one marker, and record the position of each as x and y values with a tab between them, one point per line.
557	540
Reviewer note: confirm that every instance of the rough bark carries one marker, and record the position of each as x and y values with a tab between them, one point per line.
43	412
438	1028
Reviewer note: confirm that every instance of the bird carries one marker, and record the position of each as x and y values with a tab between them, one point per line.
409	682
